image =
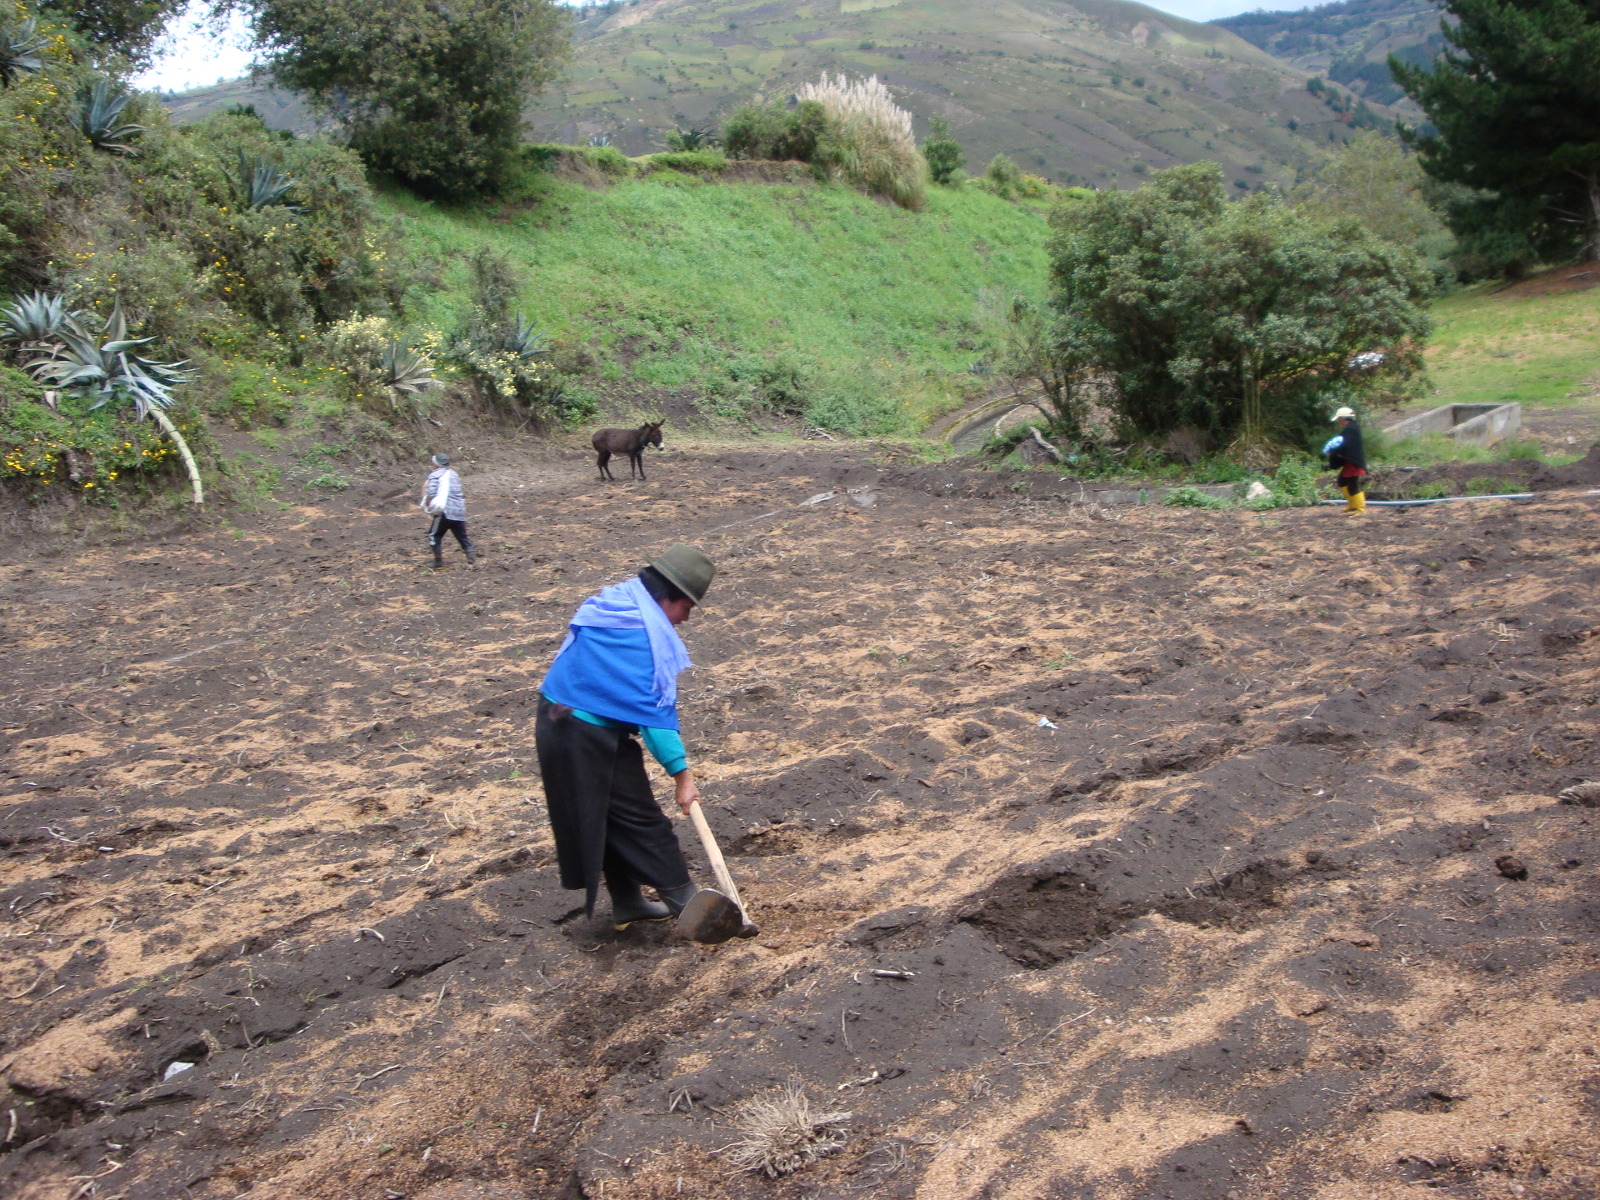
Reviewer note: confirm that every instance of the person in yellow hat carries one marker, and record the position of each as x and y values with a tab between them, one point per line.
615	678
1347	456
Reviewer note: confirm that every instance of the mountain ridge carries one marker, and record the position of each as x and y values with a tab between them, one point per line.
1096	92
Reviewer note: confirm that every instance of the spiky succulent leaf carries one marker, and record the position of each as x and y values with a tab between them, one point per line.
261	184
599	139
101	114
404	369
19	51
103	368
33	318
525	341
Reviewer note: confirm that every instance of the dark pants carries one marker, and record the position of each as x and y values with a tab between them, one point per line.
441	525
602	812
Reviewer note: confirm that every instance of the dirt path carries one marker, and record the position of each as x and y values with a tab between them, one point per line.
1185	823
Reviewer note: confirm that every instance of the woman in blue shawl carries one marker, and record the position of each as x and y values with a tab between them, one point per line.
616	675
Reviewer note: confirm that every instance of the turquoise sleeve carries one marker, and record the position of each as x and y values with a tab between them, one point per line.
667	748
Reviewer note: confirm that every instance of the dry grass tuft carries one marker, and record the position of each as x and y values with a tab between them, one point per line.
781	1132
865	100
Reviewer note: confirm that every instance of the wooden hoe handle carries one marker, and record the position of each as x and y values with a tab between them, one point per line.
718	867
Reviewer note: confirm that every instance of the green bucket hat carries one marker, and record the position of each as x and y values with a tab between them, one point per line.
687	569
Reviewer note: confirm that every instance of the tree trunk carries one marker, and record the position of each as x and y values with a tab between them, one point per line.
171	431
1592	250
1250	379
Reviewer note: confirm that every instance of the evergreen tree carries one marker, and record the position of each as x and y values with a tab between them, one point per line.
1515	106
942	152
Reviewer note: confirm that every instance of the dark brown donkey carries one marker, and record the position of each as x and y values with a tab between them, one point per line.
625	441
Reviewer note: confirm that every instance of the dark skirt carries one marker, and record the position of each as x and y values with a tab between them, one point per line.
602	812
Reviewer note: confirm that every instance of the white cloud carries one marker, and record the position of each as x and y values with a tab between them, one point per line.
194	54
1210	10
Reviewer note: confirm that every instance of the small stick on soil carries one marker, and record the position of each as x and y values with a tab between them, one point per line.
366	929
536	1118
1281	783
375	1074
845	1031
31	986
11	1131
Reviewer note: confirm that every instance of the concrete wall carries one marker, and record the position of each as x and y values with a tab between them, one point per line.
1480	424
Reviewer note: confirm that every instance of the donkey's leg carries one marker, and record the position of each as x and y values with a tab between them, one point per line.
601	458
637	460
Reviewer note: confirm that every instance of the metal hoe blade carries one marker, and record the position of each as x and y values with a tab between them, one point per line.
710	917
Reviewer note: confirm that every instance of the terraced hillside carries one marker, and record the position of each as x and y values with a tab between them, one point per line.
1349	42
1096	91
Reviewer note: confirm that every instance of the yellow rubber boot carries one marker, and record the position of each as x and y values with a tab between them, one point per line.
1350	499
1359	500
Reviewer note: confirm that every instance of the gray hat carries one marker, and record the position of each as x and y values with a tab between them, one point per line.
687	569
441	460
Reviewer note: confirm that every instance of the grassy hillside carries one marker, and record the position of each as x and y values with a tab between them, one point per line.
1099	92
680	288
1533	345
1349	42
1094	92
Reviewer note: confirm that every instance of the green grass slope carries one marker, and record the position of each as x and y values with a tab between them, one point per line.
685	292
1540	348
1349	42
1096	91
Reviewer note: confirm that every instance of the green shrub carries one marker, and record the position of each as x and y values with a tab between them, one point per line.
858	403
1297	483
1003	177
1519	448
942	152
771	131
1189	496
693	162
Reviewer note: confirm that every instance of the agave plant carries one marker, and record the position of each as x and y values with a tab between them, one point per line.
599	139
404	369
19	51
35	321
100	116
262	185
525	341
102	367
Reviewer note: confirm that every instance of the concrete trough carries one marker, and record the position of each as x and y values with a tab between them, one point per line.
1480	424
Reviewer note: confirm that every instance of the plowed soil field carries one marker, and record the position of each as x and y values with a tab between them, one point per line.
1211	854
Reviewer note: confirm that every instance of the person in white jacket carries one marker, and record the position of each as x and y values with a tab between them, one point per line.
445	500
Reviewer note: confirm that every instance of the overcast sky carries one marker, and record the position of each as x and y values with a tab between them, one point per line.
193	56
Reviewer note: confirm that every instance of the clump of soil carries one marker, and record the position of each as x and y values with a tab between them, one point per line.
1158	856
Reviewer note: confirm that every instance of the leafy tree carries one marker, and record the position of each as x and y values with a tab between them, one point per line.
942	151
1241	319
1516	113
116	27
429	92
1031	347
1375	179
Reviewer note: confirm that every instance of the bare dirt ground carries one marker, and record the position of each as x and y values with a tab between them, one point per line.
1201	834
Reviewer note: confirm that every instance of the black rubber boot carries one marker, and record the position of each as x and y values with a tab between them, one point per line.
438	558
472	559
677	897
629	905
